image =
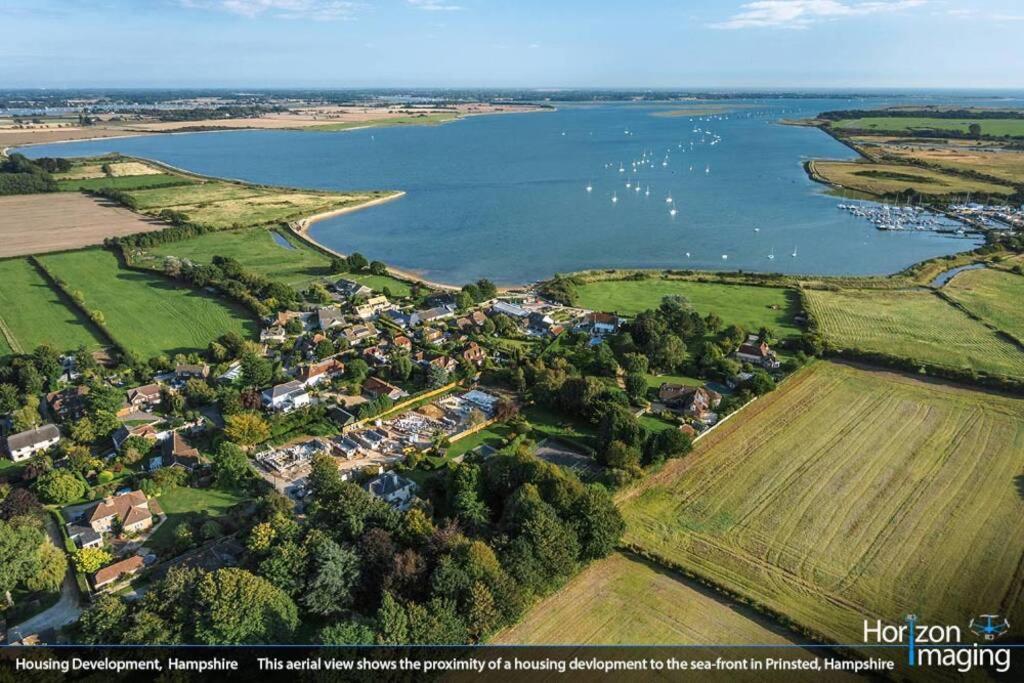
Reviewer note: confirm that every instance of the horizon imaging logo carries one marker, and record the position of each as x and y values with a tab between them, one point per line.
930	645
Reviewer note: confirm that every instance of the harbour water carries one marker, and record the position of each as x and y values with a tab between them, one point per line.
506	196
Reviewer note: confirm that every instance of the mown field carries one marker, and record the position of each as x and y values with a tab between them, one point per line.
993	295
914	324
1003	164
420	120
621	600
128	182
32	312
257	249
849	495
881	179
900	124
146	313
749	307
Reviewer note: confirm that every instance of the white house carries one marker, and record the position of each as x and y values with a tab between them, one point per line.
396	491
286	397
373	307
24	445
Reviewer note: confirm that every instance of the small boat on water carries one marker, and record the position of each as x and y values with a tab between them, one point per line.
672	212
590	188
794	252
668	199
771	254
614	198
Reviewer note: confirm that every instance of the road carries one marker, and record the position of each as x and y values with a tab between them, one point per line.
65	611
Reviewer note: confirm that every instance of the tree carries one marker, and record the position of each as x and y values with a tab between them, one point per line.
436	377
51	568
135	448
19	503
670	354
392	622
27	417
597	522
199	392
622	456
103	623
435	623
357	262
324	349
236	607
401	367
8	398
378	268
246	429
334	573
256	371
975	130
346	633
483	615
487	289
231	466
89	560
59	486
357	370
636	386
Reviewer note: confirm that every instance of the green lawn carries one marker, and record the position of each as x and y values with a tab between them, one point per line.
33	312
993	295
131	182
147	313
398	288
494	436
749	307
899	124
179	502
914	324
548	424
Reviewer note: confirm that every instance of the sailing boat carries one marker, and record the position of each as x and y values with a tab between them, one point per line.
614	198
590	188
771	254
794	252
668	199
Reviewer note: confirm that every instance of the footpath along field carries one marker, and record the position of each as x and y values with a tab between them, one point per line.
848	495
914	324
147	314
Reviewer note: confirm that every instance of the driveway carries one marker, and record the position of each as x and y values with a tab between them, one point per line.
64	612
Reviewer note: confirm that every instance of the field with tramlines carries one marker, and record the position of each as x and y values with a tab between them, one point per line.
849	494
992	295
914	324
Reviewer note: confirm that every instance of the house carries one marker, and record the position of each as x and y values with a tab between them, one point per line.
188	371
326	318
315	373
539	323
374	355
84	536
286	397
474	354
601	324
132	511
429	315
431	335
695	402
178	452
373	307
486	402
478	318
393	489
345	447
273	333
358	333
402	342
25	444
144	397
757	352
374	387
341	417
67	404
351	289
446	363
511	310
136	423
233	372
117	571
397	317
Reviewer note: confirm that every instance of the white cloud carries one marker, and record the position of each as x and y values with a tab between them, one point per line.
434	5
320	10
799	14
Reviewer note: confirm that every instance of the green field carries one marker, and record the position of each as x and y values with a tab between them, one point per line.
914	324
258	250
146	313
413	120
883	179
993	295
901	124
547	424
33	312
179	502
132	182
749	307
493	436
625	601
849	495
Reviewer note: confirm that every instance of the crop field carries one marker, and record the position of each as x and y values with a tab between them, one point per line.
899	124
261	251
849	495
36	223
146	313
220	204
414	120
993	295
1003	164
127	182
881	179
32	313
913	324
625	601
746	306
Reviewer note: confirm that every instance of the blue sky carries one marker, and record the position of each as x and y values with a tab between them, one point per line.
512	43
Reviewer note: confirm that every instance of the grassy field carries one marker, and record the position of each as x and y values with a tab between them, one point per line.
849	495
749	307
493	436
1003	164
881	179
624	601
129	182
181	501
912	324
900	124
32	312
547	424
415	120
993	295
147	313
258	249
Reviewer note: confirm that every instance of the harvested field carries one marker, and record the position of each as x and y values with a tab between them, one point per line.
882	179
1006	165
993	295
35	223
849	495
915	324
622	600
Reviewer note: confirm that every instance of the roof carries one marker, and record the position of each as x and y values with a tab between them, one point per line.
375	385
121	506
178	451
509	309
603	318
387	483
115	571
145	390
282	390
192	368
33	437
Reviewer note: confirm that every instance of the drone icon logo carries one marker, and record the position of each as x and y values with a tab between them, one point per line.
989	626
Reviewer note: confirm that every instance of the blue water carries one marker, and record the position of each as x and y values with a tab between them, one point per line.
504	196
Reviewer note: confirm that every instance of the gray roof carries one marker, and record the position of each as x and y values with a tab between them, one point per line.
387	483
287	388
32	437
